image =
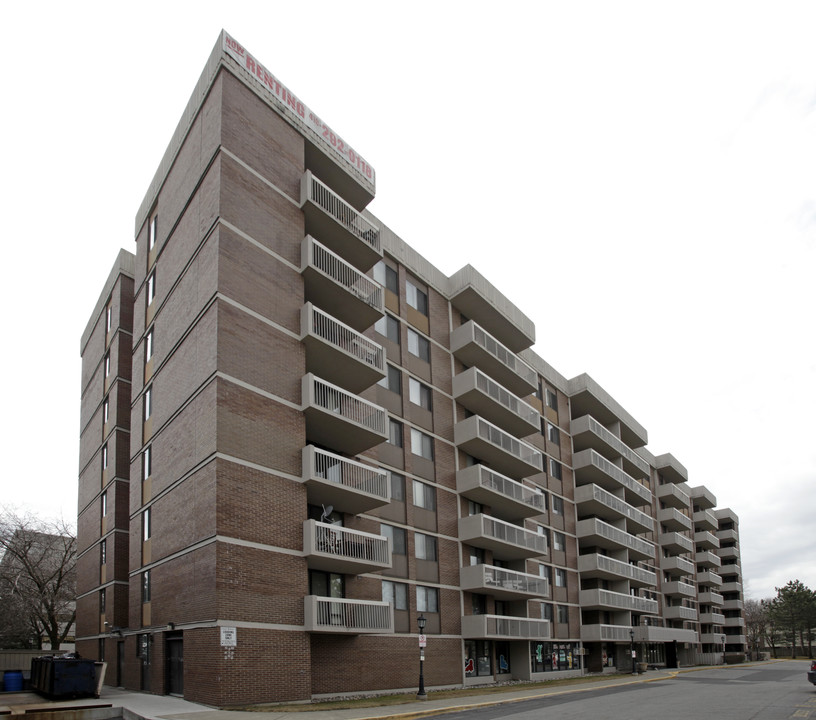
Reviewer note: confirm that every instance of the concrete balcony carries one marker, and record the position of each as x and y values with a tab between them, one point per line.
588	433
673	520
483	396
501	583
710	598
728	553
736	640
704	520
592	467
729	535
608	600
712	618
507	541
673	495
675	542
731	587
679	588
348	485
734	622
709	578
594	500
680	612
504	627
334	548
605	633
657	634
508	499
706	560
671	469
598	533
702	497
339	419
338	225
347	617
712	638
475	347
733	605
603	566
503	452
706	541
676	566
338	353
331	282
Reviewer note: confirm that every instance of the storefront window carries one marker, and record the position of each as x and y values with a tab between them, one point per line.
553	657
477	658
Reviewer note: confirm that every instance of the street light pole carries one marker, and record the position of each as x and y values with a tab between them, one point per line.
421	695
723	646
632	649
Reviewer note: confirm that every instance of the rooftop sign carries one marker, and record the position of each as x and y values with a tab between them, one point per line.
290	104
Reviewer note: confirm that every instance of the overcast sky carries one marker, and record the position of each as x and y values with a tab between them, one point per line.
637	177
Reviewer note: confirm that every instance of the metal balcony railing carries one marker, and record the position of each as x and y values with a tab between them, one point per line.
605	566
352	617
502	582
595	530
505	627
599	598
594	493
675	539
507	541
510	498
680	612
614	442
345	338
334	547
603	468
481	439
347	484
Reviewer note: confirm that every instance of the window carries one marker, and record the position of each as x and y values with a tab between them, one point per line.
560	577
147	462
563	614
476	556
419	345
387	276
397	483
559	541
108	318
148	402
474	508
146	524
479	604
392	380
102	601
388	326
416	298
104	457
107	365
419	393
555	469
557	505
151	287
425	547
104	501
545	571
396	594
149	345
103	552
397	536
421	444
427	599
395	432
424	495
146	586
325	584
152	229
551	398
553	435
546	611
105	410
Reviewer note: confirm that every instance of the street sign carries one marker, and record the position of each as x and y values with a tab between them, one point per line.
423	642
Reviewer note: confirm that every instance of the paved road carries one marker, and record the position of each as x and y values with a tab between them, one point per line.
779	691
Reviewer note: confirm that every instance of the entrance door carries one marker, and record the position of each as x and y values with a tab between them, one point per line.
120	662
175	666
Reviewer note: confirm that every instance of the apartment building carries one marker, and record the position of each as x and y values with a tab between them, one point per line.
299	438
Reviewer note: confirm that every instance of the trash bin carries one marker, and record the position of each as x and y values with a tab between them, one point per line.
57	677
13	680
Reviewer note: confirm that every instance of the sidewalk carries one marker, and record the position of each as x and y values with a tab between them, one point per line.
157	707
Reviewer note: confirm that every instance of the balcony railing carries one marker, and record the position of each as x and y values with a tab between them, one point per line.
508	498
710	598
591	466
676	565
709	578
733	621
673	519
502	583
586	427
707	559
680	612
706	540
338	353
603	566
347	617
592	499
507	541
705	520
606	599
727	553
339	419
678	587
335	548
677	542
348	485
731	587
474	346
703	497
732	605
602	534
338	224
712	618
482	439
331	282
671	495
503	627
605	633
484	396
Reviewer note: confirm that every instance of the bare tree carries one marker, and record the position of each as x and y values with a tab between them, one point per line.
756	621
38	576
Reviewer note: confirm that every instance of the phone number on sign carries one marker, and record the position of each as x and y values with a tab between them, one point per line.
341	146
